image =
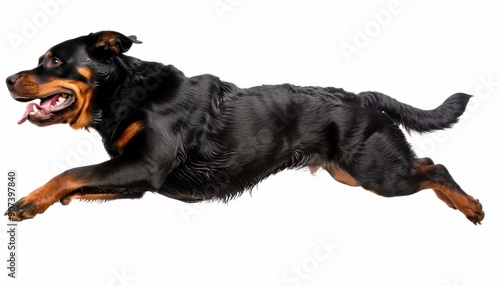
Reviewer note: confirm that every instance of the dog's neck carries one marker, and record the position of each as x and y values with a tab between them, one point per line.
124	92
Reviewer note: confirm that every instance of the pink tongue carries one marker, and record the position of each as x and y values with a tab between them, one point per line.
43	108
48	102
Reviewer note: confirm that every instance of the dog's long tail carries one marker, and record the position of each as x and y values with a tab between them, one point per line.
411	118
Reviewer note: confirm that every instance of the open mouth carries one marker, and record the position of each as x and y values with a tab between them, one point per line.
49	105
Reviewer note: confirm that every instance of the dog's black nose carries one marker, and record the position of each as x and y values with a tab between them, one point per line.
11	80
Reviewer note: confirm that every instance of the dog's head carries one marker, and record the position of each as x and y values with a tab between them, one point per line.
66	79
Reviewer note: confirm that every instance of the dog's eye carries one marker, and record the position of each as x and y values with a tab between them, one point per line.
54	62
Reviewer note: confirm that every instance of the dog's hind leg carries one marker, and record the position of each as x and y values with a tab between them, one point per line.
340	175
426	175
385	164
438	178
421	162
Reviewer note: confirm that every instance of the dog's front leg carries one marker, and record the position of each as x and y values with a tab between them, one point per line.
116	178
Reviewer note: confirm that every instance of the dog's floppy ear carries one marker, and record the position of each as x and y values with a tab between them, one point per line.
113	42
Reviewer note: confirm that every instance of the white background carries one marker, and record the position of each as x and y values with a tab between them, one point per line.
419	52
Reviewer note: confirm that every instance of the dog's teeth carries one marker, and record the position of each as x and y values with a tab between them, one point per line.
60	100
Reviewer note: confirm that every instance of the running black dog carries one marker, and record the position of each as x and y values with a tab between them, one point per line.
200	138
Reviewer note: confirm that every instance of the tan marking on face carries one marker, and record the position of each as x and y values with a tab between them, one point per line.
81	114
26	85
85	72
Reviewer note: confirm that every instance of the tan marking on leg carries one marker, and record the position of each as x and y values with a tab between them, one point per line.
42	198
128	134
340	175
466	204
437	178
88	197
445	199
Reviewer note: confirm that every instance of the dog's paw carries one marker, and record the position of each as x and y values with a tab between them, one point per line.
474	211
25	208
